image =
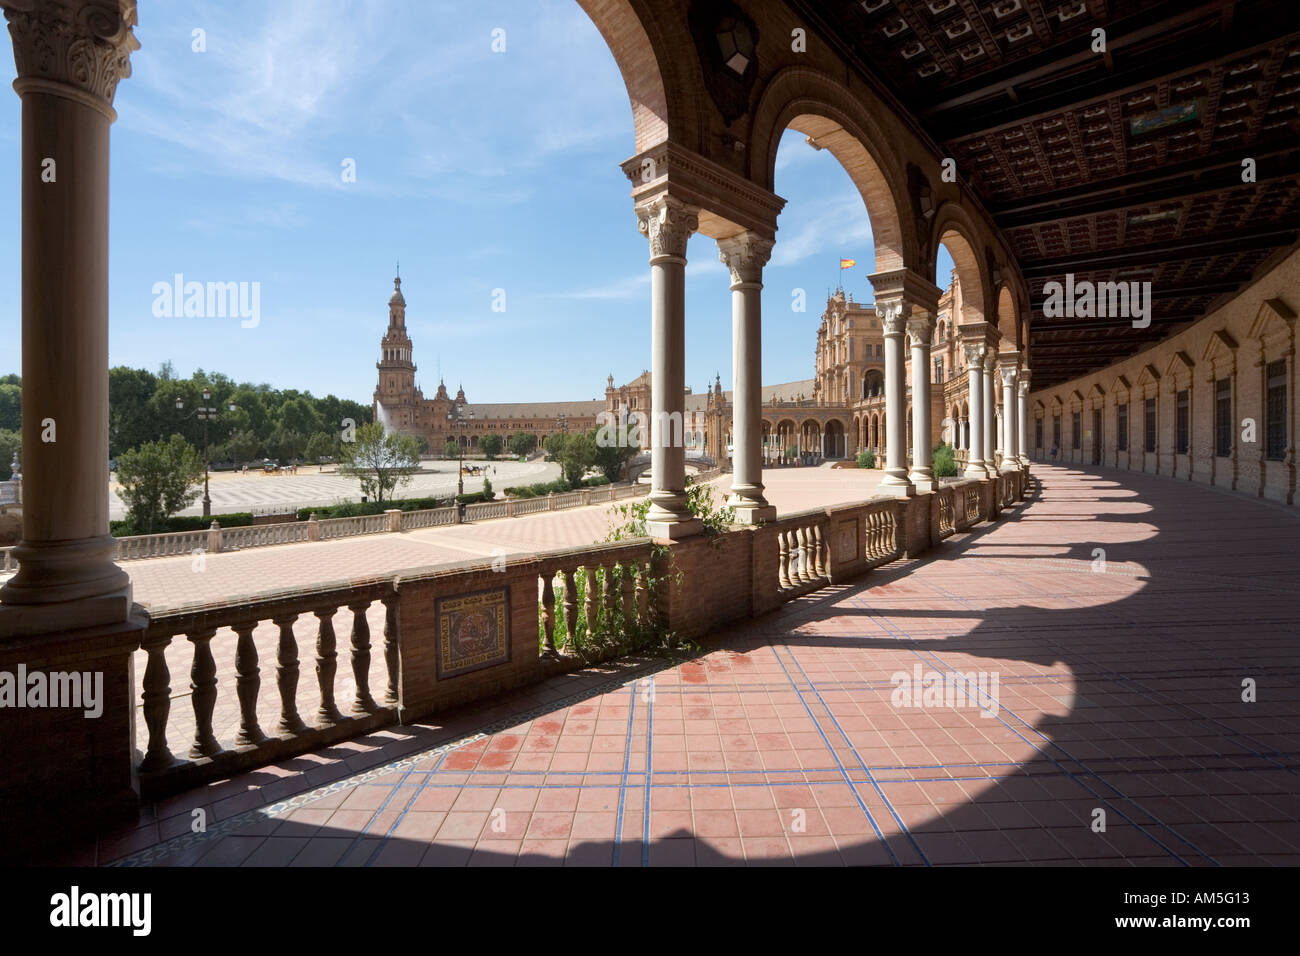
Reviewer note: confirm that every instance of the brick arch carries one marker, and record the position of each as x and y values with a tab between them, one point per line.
819	106
1008	317
653	87
957	233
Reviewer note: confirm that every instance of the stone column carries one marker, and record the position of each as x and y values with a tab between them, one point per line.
70	56
1023	406
1010	441
989	429
975	425
893	318
745	255
668	223
920	327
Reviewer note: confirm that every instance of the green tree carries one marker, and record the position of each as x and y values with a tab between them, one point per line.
521	443
554	445
286	444
382	463
614	448
491	445
321	445
243	446
157	480
10	441
11	407
131	421
297	414
451	449
577	455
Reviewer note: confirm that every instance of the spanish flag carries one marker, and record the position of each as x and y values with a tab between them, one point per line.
848	263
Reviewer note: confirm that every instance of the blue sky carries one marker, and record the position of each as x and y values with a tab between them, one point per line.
477	170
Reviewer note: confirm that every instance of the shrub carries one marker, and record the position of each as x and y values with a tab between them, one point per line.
944	463
240	519
595	481
866	459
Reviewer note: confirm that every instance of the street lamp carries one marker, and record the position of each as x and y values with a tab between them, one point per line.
456	419
205	413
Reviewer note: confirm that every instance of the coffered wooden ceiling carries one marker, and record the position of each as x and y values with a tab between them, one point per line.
1116	166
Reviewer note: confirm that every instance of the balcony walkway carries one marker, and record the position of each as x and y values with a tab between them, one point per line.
1119	691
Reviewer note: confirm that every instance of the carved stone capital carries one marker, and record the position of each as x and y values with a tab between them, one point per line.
920	326
974	353
1023	383
668	224
1009	373
79	49
745	255
894	314
990	361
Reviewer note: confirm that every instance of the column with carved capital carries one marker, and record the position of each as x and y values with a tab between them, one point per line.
990	412
920	327
68	609
745	255
668	223
70	55
975	379
1023	405
1008	366
894	314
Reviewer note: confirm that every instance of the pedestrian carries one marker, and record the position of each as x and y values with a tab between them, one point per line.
1053	453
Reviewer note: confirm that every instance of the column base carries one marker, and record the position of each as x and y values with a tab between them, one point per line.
924	484
68	776
896	486
748	512
975	469
673	529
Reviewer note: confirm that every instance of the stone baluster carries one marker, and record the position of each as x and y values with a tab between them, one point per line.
286	676
819	549
248	683
608	602
392	651
548	614
570	613
642	597
326	666
783	560
363	703
203	693
157	700
591	585
627	579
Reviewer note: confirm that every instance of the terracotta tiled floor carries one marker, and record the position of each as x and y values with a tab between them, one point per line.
1119	696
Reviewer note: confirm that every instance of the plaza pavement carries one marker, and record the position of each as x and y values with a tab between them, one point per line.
233	492
160	583
1120	691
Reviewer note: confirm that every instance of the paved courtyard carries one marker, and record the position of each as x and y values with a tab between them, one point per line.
166	582
1116	732
236	492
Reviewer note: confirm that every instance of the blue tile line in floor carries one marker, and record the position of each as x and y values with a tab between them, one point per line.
856	756
901	635
835	757
622	787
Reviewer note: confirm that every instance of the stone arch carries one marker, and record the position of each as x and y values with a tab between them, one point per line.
823	109
955	229
1008	319
873	383
643	69
836	440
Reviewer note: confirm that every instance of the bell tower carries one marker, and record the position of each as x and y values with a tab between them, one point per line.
396	388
